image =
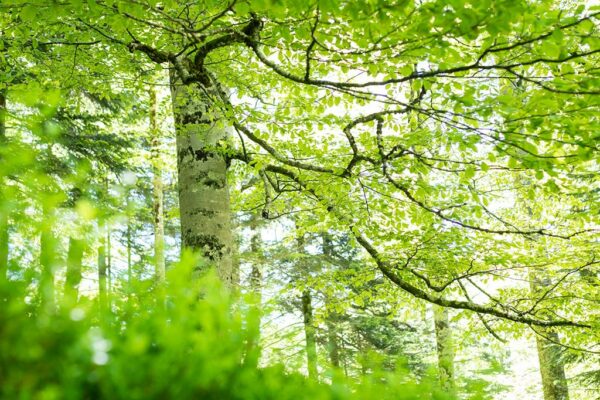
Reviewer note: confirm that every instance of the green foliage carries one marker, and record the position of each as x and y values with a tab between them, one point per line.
184	342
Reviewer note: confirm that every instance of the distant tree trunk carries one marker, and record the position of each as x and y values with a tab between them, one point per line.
253	351
108	261
332	339
309	332
47	260
552	366
445	348
202	177
332	317
4	236
74	266
102	272
256	273
128	238
157	190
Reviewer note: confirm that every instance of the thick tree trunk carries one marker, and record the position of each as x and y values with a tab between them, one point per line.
157	190
445	348
74	265
202	173
552	367
4	236
309	332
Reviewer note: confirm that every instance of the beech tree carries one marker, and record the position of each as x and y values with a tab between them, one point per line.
422	129
359	105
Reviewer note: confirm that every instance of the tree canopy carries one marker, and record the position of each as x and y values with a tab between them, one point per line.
439	151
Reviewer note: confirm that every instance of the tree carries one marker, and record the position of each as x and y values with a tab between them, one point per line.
348	107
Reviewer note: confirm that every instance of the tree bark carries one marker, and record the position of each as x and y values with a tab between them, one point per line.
157	191
202	178
309	332
4	235
552	367
74	266
445	348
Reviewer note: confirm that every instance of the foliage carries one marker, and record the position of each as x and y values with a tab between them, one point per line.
185	342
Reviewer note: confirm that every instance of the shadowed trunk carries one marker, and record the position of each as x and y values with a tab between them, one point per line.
157	190
445	348
202	178
309	332
74	264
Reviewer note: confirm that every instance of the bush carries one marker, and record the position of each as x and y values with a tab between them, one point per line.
183	342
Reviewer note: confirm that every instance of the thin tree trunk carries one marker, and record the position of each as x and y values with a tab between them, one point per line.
108	261
47	260
128	237
445	348
332	339
74	266
309	332
253	350
102	270
157	190
4	235
202	178
552	367
332	317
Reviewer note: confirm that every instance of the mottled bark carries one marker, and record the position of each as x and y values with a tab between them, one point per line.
74	266
4	235
445	348
552	367
157	192
202	178
309	332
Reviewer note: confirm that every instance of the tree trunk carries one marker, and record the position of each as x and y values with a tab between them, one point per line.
552	367
445	348
157	190
332	317
102	271
4	236
129	245
332	339
255	316
74	264
202	178
309	332
47	260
